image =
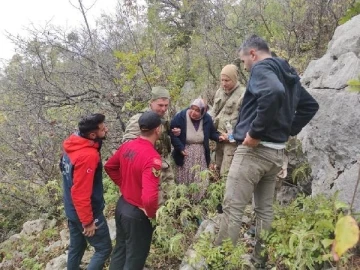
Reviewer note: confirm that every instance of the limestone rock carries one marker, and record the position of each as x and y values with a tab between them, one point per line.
331	140
191	254
331	143
58	263
65	237
332	74
51	223
53	246
33	226
341	61
14	238
346	38
208	226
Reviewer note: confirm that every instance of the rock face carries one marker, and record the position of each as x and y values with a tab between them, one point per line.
331	140
58	263
341	61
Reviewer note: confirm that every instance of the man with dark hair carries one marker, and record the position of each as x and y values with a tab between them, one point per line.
275	106
136	169
81	169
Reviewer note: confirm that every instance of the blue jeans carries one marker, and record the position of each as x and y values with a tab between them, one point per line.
78	242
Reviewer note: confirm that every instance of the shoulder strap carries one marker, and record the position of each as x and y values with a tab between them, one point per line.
220	108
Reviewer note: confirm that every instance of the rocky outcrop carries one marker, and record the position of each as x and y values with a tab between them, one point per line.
331	140
57	263
341	61
33	227
32	231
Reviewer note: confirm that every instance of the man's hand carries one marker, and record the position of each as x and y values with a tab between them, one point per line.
250	141
184	153
222	137
89	231
176	131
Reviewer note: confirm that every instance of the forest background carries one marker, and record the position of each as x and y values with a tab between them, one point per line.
57	75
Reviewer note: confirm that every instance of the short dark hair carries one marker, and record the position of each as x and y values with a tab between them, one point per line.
90	123
254	42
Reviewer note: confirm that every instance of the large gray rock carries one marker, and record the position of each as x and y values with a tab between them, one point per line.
331	143
33	226
331	140
191	255
346	38
58	263
341	61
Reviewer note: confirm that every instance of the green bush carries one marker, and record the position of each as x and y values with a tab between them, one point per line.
178	219
225	257
301	232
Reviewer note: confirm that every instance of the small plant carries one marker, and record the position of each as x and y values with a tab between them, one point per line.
354	84
178	219
351	12
301	173
32	264
225	257
301	230
111	196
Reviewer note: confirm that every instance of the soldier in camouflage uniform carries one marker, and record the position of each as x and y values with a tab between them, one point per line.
160	98
226	107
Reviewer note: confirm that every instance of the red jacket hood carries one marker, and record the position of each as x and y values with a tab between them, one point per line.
76	142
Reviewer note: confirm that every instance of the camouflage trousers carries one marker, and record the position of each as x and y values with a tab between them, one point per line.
167	179
224	153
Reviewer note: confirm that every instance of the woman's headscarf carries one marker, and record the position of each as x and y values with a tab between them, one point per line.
200	103
231	71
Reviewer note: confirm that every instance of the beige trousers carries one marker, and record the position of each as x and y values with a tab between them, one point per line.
253	171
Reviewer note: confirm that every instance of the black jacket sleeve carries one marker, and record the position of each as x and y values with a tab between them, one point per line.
305	111
214	134
176	140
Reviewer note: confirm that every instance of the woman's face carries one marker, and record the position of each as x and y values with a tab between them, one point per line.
194	112
227	83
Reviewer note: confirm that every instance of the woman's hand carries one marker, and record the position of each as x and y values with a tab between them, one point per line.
223	137
176	131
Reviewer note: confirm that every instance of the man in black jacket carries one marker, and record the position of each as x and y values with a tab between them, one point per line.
275	106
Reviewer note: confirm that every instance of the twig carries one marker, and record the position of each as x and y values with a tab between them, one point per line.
356	187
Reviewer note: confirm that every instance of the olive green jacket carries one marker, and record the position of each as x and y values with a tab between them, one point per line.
132	131
226	107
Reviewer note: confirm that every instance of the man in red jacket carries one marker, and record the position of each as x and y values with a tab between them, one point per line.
136	169
84	203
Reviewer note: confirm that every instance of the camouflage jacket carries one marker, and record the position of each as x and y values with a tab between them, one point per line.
226	107
132	131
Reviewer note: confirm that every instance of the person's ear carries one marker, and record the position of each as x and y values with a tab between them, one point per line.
92	136
252	53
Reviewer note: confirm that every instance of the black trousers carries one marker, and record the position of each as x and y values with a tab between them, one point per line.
133	237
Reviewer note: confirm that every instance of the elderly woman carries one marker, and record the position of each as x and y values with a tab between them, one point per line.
191	147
